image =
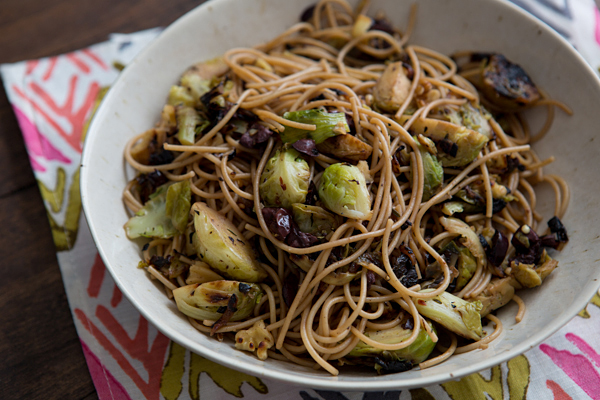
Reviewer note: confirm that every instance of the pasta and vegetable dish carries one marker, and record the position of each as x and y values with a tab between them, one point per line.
340	196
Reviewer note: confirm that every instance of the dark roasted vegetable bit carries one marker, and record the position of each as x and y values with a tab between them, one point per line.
306	146
506	84
404	269
159	262
307	14
513	163
389	367
557	227
290	288
281	224
448	147
148	183
161	157
498	205
230	310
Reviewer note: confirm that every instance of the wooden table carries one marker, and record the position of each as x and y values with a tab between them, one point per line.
40	353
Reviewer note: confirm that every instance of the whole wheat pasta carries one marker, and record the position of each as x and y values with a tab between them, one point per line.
253	237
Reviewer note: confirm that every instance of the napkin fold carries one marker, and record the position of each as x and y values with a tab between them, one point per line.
53	99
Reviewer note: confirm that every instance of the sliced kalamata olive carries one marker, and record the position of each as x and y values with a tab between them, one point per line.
279	221
557	227
497	251
306	146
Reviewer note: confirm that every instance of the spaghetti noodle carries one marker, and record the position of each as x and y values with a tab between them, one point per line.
449	221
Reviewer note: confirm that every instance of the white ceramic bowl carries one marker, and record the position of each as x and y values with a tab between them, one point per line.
134	103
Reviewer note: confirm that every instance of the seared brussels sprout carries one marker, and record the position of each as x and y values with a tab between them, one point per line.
205	301
337	278
343	190
326	125
496	294
207	70
506	84
219	243
530	275
465	263
188	123
152	220
470	239
415	353
468	142
392	88
179	202
473	117
434	173
285	179
196	86
180	96
256	338
346	147
453	313
314	219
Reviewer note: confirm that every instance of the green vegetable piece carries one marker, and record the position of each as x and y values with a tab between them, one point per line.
178	95
469	142
416	352
529	275
179	202
219	243
465	264
473	117
202	301
151	220
343	190
325	124
469	238
315	220
187	120
496	294
453	313
433	173
196	86
285	179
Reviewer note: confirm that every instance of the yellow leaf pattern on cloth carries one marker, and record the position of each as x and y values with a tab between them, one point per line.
229	380
171	380
421	394
518	377
595	301
54	198
64	236
476	387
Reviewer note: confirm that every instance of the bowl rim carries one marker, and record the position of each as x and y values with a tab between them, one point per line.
315	382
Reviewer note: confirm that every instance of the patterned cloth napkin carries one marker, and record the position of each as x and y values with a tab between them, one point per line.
53	99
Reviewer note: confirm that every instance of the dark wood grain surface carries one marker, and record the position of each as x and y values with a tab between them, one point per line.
40	353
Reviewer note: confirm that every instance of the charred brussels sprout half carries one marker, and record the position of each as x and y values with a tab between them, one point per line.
285	179
209	300
415	353
314	219
326	125
453	313
164	215
343	190
219	243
